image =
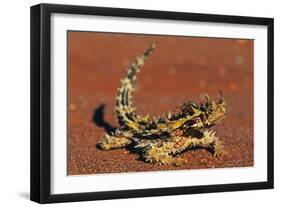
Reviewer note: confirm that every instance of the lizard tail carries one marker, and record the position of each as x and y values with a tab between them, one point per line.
125	112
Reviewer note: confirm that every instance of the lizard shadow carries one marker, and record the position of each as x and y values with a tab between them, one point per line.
99	120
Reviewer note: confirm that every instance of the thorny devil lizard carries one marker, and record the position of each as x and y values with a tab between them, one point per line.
158	140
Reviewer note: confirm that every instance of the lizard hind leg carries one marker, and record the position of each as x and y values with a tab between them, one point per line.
160	154
113	142
154	156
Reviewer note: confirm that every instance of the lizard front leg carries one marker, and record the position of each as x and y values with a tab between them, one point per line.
213	143
117	140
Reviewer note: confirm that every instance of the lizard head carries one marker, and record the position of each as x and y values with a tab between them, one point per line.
205	115
211	111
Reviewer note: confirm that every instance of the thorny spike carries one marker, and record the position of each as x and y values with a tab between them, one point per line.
206	96
221	98
194	105
213	104
169	115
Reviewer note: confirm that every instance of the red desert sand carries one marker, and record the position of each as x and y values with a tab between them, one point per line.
180	69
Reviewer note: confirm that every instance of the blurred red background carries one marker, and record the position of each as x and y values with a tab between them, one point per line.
180	69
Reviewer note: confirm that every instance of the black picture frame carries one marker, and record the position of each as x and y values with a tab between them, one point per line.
41	97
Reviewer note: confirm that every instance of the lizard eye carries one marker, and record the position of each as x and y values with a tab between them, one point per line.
203	117
203	108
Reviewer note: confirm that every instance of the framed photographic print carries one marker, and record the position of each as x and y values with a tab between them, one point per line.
132	103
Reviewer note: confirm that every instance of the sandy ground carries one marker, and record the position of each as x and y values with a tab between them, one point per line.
179	70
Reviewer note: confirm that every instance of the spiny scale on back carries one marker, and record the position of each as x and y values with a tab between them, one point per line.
158	140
